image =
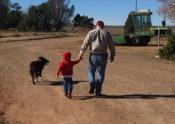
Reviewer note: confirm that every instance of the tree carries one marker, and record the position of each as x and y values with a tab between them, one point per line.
10	14
36	19
33	18
49	16
167	9
4	9
43	17
59	12
14	16
87	23
83	21
77	20
24	24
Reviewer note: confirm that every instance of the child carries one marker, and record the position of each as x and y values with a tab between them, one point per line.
65	69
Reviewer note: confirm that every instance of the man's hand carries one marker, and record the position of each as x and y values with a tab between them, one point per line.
80	57
112	58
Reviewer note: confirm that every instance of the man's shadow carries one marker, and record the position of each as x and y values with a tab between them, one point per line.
57	83
129	96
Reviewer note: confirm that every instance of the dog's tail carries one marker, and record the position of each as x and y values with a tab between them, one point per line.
32	73
30	69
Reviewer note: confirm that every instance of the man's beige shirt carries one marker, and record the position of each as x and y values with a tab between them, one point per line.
98	40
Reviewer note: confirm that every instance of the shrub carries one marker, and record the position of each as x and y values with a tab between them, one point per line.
168	52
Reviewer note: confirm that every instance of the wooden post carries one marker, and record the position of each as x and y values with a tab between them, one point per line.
159	36
136	6
158	44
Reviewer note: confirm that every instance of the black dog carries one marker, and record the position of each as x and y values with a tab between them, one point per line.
36	68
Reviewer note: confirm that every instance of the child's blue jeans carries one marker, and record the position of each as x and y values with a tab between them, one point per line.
68	85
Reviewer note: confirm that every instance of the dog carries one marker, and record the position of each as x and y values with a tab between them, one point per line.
36	68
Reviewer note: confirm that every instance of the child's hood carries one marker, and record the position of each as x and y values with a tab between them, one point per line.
66	56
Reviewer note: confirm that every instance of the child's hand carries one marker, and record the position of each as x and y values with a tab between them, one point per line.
56	76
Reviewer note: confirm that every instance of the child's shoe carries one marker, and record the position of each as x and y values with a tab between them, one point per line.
66	95
69	96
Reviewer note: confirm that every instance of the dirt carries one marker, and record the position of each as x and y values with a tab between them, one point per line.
139	87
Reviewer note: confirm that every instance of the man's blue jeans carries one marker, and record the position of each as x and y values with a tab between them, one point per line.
68	85
96	70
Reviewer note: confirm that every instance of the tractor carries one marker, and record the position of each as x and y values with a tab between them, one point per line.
138	29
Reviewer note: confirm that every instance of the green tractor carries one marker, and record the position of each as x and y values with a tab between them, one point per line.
161	30
138	29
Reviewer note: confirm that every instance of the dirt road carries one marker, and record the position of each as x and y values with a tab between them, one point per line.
139	88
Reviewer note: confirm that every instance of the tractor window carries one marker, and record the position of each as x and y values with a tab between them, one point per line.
141	21
146	21
137	21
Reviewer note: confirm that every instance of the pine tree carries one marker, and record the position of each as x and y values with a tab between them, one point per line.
168	52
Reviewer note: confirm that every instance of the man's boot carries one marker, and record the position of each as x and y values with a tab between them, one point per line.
98	88
92	88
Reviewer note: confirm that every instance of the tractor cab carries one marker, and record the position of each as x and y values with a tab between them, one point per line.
141	20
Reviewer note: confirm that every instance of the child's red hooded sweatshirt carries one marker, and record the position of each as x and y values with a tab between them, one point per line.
65	67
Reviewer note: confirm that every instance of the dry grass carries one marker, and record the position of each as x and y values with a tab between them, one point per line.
27	36
1	36
115	30
67	30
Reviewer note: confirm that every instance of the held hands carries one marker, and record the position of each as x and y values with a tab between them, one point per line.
80	58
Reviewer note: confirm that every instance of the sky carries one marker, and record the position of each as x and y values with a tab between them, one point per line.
112	12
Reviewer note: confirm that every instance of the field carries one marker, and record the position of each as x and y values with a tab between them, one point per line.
139	87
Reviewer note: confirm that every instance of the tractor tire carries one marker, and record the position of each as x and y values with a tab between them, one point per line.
144	40
135	41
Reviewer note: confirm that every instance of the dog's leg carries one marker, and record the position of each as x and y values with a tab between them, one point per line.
34	81
40	75
34	78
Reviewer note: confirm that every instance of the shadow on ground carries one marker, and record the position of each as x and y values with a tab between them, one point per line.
130	96
56	83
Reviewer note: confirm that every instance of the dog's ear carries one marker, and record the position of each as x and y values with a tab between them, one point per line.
43	59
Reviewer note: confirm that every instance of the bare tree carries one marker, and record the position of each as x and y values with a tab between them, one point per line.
167	9
60	12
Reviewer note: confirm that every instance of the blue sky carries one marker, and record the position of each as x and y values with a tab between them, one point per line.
112	12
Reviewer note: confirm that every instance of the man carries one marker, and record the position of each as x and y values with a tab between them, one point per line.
98	40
